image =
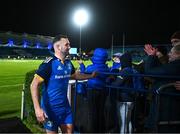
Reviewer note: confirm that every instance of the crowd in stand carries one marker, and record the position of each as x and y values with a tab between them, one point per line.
111	109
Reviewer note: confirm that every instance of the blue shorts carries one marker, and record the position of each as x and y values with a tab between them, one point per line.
52	124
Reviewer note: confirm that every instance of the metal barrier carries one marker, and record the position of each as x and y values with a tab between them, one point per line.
168	111
72	97
156	92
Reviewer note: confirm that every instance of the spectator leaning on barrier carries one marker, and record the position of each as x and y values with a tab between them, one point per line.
55	73
153	66
96	91
124	99
175	38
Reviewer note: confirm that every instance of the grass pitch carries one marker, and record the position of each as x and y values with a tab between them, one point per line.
12	76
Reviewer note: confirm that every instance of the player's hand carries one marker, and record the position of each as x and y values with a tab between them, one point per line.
40	115
150	50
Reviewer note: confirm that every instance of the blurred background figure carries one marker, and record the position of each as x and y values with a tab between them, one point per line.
175	38
116	62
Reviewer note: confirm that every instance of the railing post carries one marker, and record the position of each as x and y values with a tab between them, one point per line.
22	102
71	82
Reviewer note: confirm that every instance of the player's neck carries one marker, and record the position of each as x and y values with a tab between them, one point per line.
60	56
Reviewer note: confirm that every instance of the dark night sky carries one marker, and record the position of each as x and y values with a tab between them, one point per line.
142	21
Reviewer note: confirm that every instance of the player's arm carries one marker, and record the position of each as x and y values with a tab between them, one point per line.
80	76
35	97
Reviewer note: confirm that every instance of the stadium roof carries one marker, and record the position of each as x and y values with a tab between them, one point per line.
18	39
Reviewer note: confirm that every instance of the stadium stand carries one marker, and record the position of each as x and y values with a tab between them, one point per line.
15	45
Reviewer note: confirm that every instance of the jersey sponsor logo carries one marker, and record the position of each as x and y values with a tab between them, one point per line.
62	76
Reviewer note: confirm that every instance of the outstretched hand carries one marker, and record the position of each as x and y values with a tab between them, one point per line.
150	50
177	85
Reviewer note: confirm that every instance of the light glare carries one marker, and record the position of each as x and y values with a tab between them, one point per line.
81	17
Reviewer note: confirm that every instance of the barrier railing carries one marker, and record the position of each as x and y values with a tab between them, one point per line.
72	95
157	92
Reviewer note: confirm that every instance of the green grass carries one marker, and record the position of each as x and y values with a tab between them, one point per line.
12	74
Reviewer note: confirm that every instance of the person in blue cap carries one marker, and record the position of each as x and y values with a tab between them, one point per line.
54	73
96	91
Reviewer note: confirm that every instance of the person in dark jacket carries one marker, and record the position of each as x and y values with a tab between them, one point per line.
124	99
175	39
154	67
96	91
162	54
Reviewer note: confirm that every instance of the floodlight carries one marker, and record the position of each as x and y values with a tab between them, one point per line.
81	17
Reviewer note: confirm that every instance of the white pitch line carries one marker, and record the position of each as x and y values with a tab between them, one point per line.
11	85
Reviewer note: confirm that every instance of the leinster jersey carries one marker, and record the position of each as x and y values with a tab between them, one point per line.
56	77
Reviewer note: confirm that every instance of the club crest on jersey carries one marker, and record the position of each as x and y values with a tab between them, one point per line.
59	68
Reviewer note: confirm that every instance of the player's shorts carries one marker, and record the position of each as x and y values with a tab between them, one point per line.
54	123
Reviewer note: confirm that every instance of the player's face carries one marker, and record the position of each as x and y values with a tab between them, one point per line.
63	46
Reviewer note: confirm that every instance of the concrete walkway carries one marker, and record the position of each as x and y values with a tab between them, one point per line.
13	125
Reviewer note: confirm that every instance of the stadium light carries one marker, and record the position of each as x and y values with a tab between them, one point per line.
10	42
25	43
49	46
38	45
81	17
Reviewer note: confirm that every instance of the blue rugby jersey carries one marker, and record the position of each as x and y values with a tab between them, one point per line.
56	77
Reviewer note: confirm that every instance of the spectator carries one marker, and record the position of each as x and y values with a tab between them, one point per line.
162	54
116	62
96	91
124	99
175	38
153	66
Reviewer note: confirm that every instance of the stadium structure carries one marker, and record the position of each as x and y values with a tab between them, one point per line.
34	46
15	45
26	46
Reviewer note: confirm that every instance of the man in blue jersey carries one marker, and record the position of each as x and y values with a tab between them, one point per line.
54	110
